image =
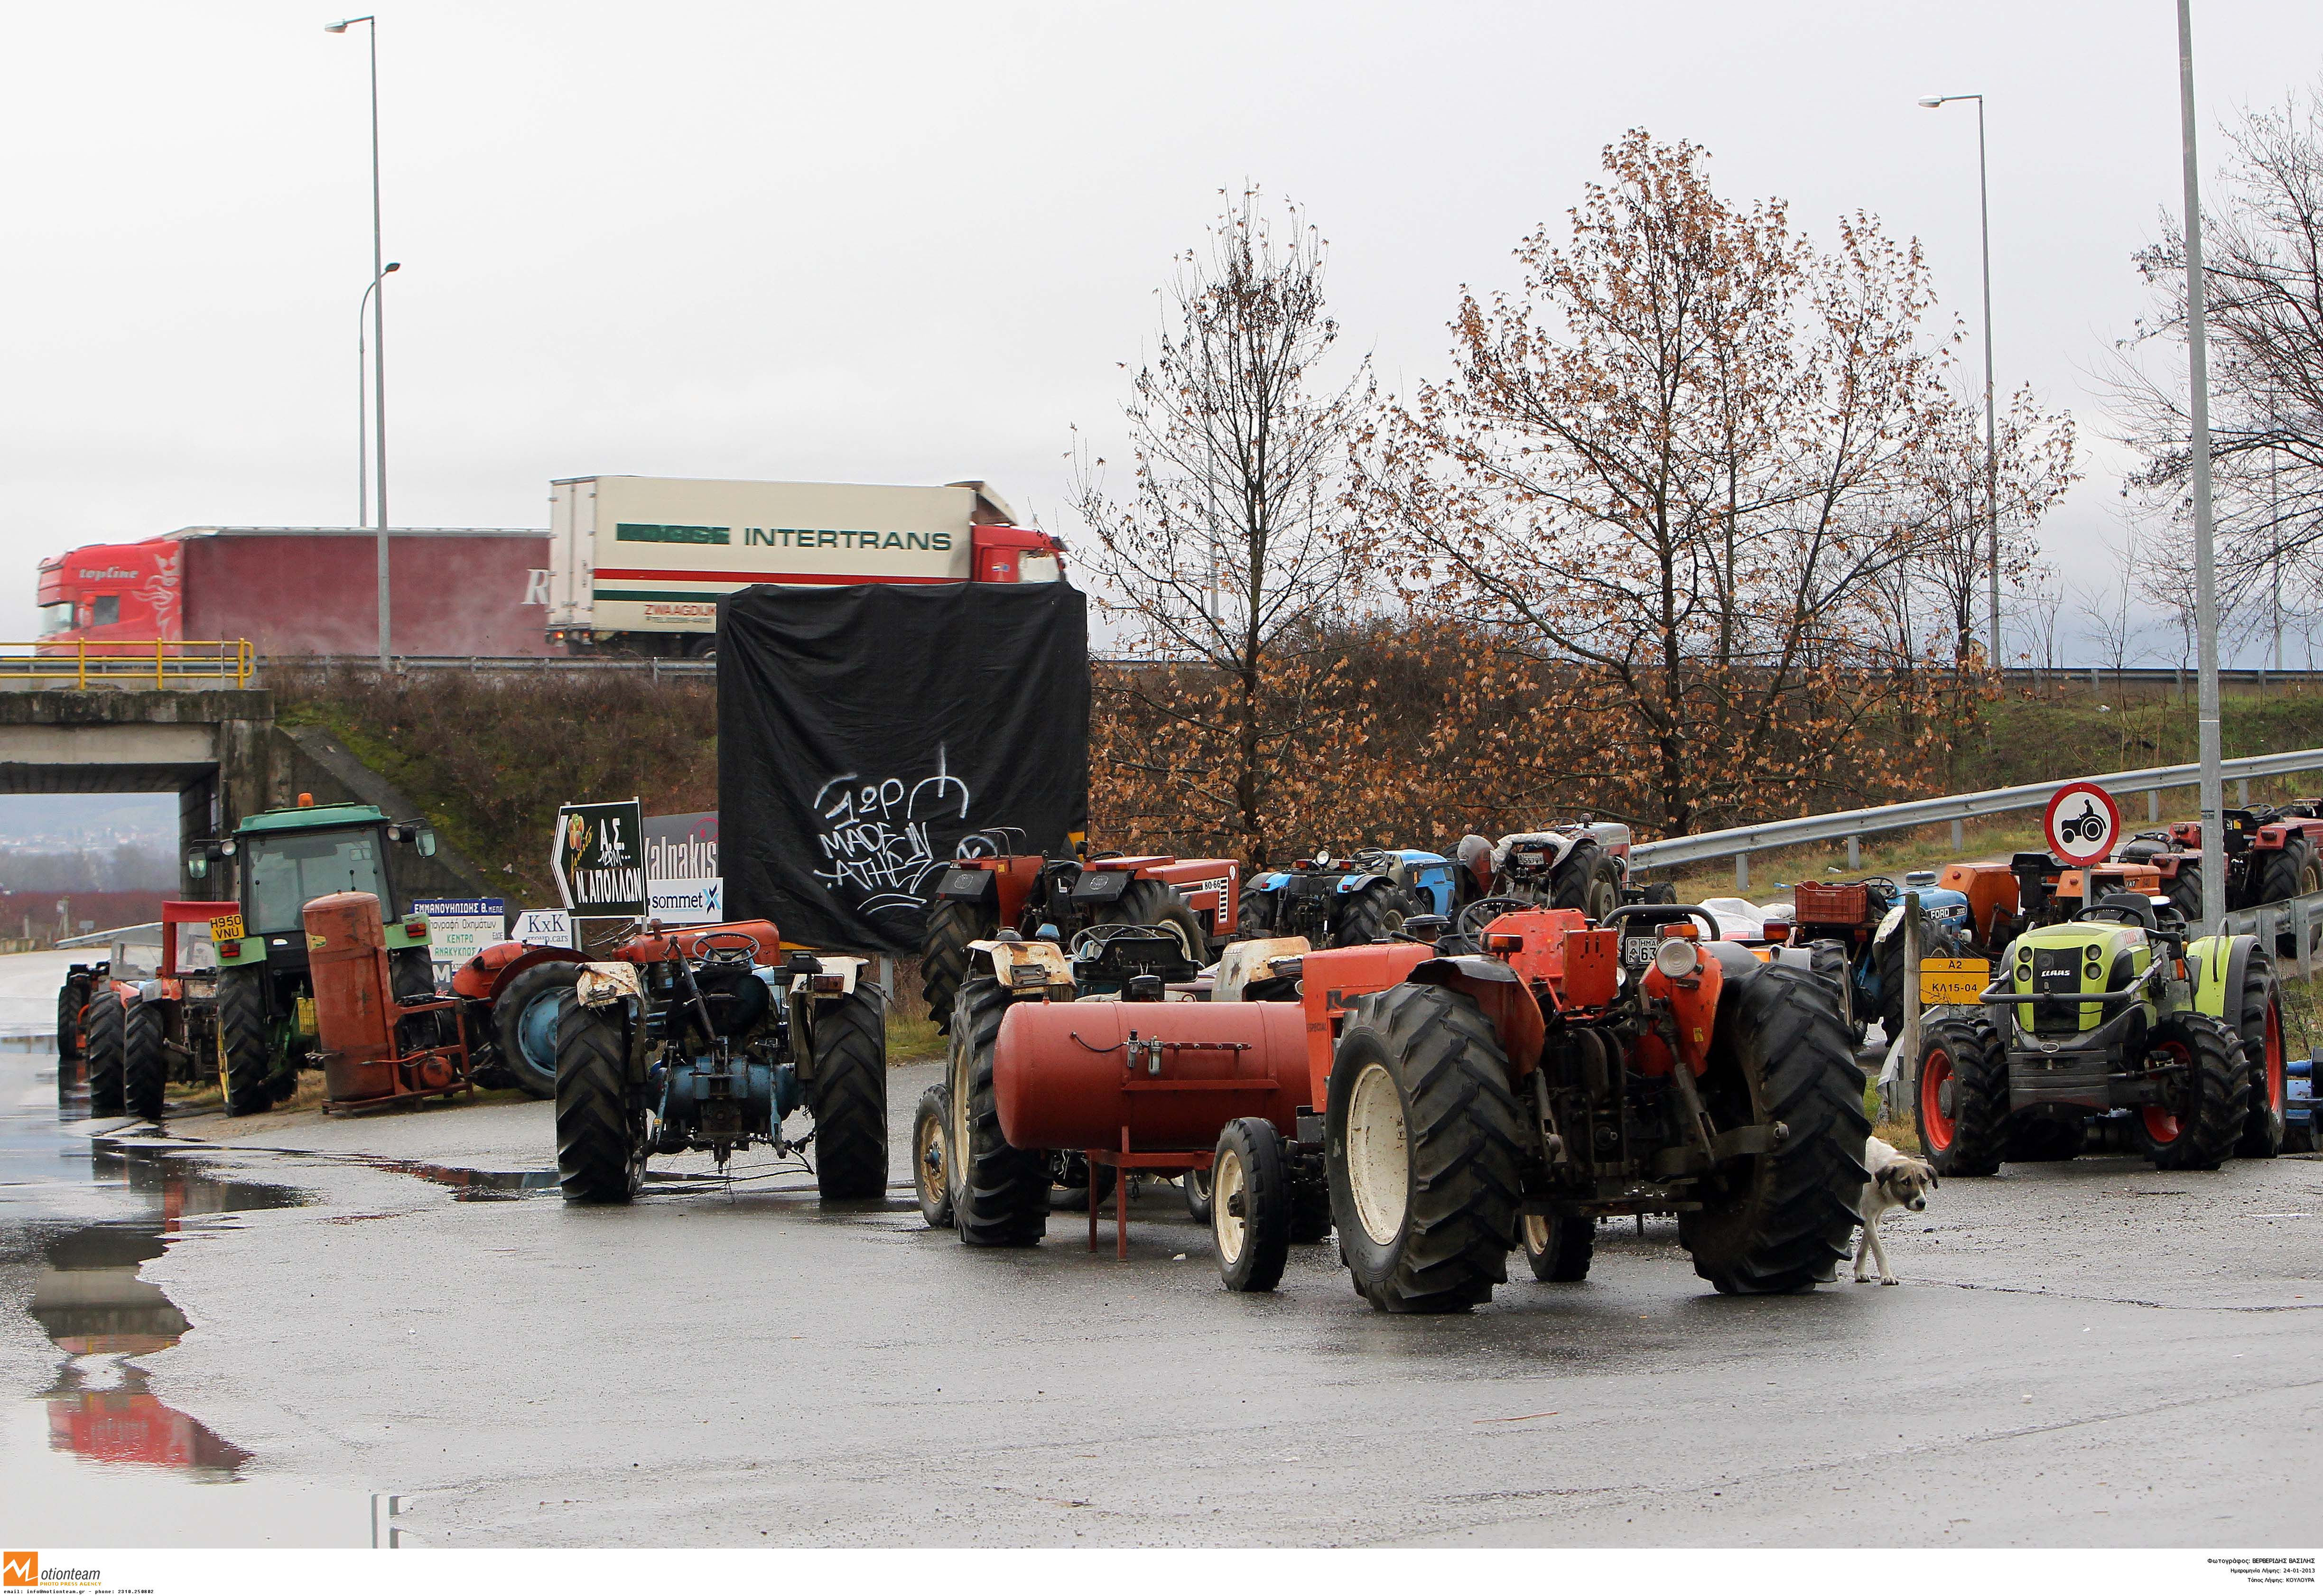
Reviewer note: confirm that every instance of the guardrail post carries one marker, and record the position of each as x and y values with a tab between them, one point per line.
1741	872
2242	793
1855	853
2152	805
1909	1076
1959	840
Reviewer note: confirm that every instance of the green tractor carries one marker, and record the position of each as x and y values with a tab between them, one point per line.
2117	1030
281	860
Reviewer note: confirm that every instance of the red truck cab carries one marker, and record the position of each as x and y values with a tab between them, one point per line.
1016	554
112	593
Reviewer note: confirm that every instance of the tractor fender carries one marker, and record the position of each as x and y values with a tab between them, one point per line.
601	985
1556	843
482	977
1036	966
1507	1001
2219	965
848	966
965	883
1355	883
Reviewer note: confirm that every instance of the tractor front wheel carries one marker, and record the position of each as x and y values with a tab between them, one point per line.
600	1134
930	1162
848	1094
1374	914
524	1023
999	1193
1590	880
1423	1137
1197	1195
245	1042
2259	1023
1250	1206
1558	1248
144	1067
2196	1128
1961	1106
952	925
107	1048
71	1000
1779	1220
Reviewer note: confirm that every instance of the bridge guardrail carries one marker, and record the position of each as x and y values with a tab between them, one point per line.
160	662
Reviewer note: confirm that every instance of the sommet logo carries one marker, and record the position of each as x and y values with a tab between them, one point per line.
21	1571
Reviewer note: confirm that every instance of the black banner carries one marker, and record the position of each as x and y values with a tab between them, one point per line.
863	731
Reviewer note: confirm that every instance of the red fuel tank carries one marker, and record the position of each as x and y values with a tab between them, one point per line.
1069	1075
355	1015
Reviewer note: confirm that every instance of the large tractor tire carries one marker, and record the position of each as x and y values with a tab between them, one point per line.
1073	1185
848	1095
1197	1195
1960	1107
107	1055
2290	871
2258	1023
2185	891
1423	1137
1374	914
71	1000
1588	879
245	1042
952	925
1250	1206
524	1023
1147	902
1889	960
1780	1220
1558	1248
930	1160
600	1133
1828	959
2199	1131
999	1193
145	1062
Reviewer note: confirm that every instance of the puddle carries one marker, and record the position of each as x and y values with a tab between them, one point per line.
468	1185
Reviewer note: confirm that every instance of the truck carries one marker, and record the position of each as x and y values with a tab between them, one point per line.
637	565
468	591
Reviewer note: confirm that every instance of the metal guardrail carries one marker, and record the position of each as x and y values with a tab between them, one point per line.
162	662
2177	677
520	665
2293	929
1740	843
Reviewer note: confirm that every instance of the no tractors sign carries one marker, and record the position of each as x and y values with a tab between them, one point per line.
2082	824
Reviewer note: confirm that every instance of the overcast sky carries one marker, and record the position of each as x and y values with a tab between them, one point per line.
910	244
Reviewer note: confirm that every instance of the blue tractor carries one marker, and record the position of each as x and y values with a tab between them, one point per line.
1865	921
1347	902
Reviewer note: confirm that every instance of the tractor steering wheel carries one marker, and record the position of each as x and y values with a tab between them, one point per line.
727	947
1481	914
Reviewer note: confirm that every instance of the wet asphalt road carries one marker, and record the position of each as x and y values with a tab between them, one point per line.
2091	1354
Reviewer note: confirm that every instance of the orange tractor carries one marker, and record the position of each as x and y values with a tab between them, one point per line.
1443	1108
2032	889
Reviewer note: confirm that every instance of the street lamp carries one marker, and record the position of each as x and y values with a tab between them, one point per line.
1991	426
379	321
2206	589
362	447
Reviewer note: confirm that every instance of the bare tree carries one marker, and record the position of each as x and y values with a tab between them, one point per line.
2109	609
1233	546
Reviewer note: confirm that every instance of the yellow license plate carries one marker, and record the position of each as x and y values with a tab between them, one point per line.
226	927
1952	980
306	1017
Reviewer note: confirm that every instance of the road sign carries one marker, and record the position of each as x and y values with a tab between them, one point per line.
599	860
1952	980
2082	824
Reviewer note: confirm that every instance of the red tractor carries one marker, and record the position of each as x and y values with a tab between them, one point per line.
1443	1108
996	889
152	1018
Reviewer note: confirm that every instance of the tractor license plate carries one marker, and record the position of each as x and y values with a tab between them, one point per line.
1952	980
225	927
1637	953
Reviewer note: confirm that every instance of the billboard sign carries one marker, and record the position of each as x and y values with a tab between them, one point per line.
599	860
458	929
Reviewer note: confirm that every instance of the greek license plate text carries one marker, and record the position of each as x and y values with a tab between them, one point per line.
1952	980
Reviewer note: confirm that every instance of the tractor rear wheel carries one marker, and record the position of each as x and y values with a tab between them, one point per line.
1374	914
1250	1206
931	1165
245	1042
1779	1220
107	1048
600	1134
1588	879
2279	872
1147	902
71	999
524	1023
952	925
1423	1138
1559	1247
2185	891
999	1193
1828	959
1960	1107
1073	1183
144	1067
2198	1128
848	1095
2258	1022
1197	1195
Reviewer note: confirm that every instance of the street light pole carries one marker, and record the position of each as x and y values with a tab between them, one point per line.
379	323
1991	424
362	482
2205	594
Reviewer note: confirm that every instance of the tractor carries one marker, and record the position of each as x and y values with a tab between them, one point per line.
996	886
1583	864
2114	1030
1441	1109
282	859
708	1039
2033	890
1337	903
2274	852
81	982
1864	920
152	1020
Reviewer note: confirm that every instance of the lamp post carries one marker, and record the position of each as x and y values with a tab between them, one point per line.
2205	588
1991	426
379	321
362	447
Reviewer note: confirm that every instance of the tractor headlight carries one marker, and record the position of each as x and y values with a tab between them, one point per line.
1677	958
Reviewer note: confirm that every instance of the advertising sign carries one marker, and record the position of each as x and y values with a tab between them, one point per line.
458	929
545	928
2082	824
599	860
682	875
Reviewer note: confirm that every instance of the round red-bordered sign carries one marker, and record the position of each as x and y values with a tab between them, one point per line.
2082	824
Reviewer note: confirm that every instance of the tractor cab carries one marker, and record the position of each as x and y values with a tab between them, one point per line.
279	860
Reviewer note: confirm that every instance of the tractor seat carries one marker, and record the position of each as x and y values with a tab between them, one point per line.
2128	908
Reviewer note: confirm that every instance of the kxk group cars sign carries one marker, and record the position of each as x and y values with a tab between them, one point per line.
599	859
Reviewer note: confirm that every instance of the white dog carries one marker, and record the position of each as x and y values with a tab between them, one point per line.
1896	1182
